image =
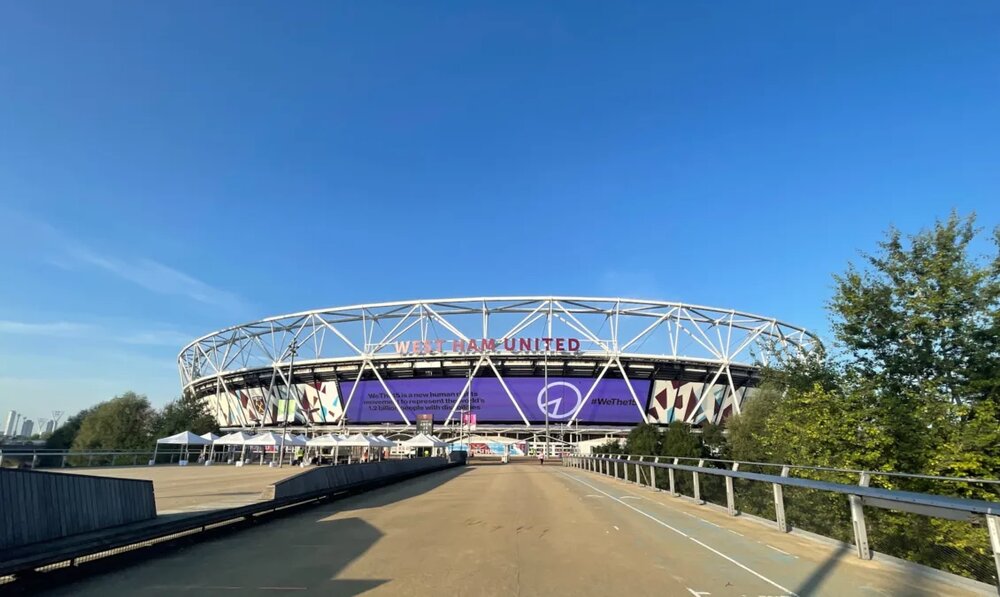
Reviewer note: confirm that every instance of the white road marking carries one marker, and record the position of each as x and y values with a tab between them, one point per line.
593	495
780	551
683	534
735	533
630	497
701	519
696	593
616	527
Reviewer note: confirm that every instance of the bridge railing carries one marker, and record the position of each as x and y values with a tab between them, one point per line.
911	525
45	458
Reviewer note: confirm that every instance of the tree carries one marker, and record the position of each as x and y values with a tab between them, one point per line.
122	423
612	446
644	440
63	437
187	413
679	441
920	332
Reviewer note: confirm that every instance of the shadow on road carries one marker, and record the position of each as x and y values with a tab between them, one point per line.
812	584
302	552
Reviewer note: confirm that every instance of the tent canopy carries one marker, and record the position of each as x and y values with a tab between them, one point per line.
357	441
325	440
424	441
265	439
234	439
209	436
184	438
388	442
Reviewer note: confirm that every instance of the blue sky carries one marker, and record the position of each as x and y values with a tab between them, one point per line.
168	169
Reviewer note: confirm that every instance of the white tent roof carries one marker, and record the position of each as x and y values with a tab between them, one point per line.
265	439
357	440
184	438
388	442
324	440
424	441
210	436
234	439
295	440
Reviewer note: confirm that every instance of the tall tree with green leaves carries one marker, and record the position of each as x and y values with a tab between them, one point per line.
187	413
920	336
125	422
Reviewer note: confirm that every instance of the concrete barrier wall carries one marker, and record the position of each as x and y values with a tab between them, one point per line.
39	506
329	478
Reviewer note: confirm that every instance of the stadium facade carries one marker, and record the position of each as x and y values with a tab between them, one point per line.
578	367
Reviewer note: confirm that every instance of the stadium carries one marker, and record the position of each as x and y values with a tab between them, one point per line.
563	370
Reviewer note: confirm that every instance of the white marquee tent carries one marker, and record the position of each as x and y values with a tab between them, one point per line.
184	438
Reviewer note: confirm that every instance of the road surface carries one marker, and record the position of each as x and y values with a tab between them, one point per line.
510	530
195	488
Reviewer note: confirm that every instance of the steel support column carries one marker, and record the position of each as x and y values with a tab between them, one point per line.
779	503
731	493
858	520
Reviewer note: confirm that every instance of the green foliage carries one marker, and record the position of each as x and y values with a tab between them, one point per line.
612	446
644	439
187	413
919	328
679	441
63	437
915	388
122	423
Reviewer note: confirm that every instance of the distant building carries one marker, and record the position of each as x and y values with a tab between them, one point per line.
50	426
27	428
10	425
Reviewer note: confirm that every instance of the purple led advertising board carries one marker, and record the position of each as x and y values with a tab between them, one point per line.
610	402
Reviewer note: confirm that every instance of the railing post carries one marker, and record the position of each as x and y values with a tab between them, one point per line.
637	480
697	485
993	525
858	519
90	459
1	458
670	478
63	465
34	460
652	474
779	503
731	493
616	468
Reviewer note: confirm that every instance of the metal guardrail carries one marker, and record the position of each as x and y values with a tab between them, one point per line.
31	560
46	458
860	495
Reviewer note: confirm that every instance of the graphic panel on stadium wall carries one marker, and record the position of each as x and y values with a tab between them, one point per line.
610	402
317	402
674	400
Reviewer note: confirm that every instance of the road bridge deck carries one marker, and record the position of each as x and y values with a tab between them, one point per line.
196	488
512	530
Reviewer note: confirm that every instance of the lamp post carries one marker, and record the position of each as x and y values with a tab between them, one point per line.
293	347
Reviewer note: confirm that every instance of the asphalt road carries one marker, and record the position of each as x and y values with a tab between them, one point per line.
510	530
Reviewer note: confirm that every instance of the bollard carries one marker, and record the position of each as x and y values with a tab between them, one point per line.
779	503
697	485
858	520
731	493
